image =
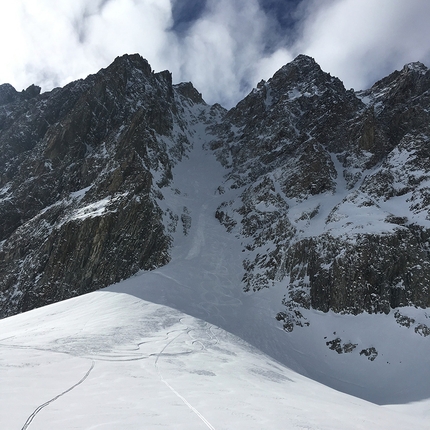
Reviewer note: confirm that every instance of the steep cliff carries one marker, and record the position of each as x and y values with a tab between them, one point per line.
80	172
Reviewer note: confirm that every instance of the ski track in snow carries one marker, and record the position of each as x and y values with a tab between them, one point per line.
44	405
199	236
182	398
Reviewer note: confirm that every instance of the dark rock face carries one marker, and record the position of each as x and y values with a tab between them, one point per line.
333	189
277	124
373	274
80	170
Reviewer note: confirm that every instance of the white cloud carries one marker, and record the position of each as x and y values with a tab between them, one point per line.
363	40
128	26
222	49
53	42
39	43
224	52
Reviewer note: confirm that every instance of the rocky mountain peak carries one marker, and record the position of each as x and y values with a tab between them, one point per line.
131	61
289	114
7	94
301	66
88	161
188	90
31	91
398	103
399	86
416	67
299	83
304	75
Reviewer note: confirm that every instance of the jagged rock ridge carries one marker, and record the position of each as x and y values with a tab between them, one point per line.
333	189
81	168
332	185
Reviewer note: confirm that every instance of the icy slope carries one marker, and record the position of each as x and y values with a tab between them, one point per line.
108	361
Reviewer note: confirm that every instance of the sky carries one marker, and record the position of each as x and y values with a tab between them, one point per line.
225	47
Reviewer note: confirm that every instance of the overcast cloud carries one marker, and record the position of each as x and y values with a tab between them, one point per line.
223	46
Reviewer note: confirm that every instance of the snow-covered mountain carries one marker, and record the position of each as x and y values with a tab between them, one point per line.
333	189
297	222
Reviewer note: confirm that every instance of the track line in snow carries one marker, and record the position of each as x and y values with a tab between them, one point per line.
213	334
171	279
184	400
199	239
34	348
39	408
90	356
208	424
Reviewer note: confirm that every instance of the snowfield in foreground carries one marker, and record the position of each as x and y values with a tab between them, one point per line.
112	361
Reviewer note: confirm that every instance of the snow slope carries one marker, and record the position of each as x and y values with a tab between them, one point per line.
112	361
184	347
